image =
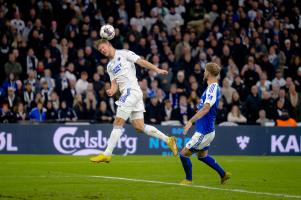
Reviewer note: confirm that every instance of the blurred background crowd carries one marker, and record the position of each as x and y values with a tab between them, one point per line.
51	71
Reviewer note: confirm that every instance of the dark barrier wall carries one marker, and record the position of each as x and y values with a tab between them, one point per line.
91	139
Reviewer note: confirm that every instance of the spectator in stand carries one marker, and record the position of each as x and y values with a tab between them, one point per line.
235	101
283	97
183	112
78	106
103	114
222	112
227	91
31	60
173	96
90	104
251	72
21	114
153	114
12	66
263	84
10	82
66	113
295	101
6	116
239	86
252	105
279	80
167	110
47	77
267	104
28	97
82	83
298	80
285	120
228	34
262	120
51	113
172	19
38	114
235	115
165	81
12	98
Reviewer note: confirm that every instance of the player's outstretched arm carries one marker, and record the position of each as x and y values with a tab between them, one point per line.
113	89
150	66
197	116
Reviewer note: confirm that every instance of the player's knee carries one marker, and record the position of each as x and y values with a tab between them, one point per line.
118	122
139	128
185	152
202	155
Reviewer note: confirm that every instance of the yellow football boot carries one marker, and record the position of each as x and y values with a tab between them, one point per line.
226	177
186	182
172	143
101	158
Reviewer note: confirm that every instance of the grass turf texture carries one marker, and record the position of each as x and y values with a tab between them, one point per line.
69	177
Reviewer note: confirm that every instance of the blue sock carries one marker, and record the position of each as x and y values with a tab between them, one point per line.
213	164
187	166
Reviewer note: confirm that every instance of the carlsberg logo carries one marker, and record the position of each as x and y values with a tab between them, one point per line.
66	142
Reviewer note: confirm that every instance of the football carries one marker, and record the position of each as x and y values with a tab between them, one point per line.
107	32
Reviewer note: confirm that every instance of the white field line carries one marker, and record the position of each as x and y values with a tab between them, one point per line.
201	186
165	183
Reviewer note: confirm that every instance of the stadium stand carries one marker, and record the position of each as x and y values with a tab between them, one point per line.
51	71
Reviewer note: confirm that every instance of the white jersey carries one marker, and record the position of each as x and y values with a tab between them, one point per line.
122	69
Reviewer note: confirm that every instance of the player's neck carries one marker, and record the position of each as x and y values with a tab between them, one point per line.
112	54
211	80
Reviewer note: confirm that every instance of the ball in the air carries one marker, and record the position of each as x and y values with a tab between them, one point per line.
107	32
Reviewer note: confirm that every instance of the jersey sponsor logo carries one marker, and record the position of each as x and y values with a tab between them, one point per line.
242	141
123	98
116	69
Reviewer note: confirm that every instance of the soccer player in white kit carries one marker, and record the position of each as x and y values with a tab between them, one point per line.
122	72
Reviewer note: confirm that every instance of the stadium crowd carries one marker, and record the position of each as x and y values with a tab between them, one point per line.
52	71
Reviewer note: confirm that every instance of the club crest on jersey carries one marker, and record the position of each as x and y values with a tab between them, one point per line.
116	69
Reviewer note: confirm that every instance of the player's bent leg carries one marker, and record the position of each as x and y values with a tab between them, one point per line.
116	133
138	124
154	132
186	163
211	162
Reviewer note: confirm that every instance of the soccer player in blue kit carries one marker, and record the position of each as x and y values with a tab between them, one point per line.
204	121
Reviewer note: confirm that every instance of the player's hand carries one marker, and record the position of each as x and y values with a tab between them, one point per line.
162	71
110	92
187	127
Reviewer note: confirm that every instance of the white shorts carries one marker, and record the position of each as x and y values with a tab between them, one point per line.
200	142
130	105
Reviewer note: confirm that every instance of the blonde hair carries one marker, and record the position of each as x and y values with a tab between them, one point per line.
102	41
213	69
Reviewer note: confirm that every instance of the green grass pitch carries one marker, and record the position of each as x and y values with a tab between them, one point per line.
27	177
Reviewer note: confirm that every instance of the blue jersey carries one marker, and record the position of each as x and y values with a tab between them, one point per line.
211	96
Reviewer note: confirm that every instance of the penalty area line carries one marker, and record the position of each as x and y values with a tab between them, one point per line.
201	186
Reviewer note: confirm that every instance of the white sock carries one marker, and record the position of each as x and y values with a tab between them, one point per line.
154	132
112	142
